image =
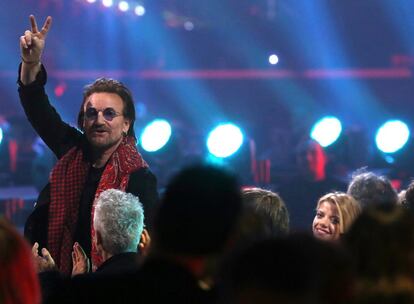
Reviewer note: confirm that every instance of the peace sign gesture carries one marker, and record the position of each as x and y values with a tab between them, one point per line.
32	42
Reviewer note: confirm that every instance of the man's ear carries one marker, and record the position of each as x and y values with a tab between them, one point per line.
98	239
127	125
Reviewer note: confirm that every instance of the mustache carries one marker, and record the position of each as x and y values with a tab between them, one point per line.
98	128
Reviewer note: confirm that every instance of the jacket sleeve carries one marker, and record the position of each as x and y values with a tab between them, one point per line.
58	135
143	184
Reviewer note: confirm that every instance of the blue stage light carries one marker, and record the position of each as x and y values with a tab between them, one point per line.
326	131
224	140
392	136
155	135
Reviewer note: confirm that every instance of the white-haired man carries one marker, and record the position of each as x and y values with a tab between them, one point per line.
120	240
119	226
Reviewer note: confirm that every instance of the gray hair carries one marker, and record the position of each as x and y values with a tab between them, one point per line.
119	217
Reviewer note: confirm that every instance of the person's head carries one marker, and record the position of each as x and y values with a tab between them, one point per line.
335	213
118	222
295	269
369	189
264	215
382	242
197	213
312	159
107	113
406	197
18	277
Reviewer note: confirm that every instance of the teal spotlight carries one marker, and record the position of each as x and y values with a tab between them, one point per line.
1	135
155	135
326	130
224	140
392	136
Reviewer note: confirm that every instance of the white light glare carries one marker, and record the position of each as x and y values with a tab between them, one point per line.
224	140
155	135
140	10
91	1
273	59
188	25
107	3
326	131
123	6
392	136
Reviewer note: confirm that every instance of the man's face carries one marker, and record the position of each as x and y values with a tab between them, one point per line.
103	120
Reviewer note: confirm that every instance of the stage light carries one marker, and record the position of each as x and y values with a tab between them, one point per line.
155	135
107	3
273	59
91	1
188	25
224	140
123	6
392	136
140	10
1	135
326	131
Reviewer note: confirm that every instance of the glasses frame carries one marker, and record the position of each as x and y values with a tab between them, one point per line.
108	114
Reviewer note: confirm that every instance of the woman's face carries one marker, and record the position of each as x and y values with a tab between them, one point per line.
326	222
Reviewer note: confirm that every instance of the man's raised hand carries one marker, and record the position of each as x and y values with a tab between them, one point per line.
32	42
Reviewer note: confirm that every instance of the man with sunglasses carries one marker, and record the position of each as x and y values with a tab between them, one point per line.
103	156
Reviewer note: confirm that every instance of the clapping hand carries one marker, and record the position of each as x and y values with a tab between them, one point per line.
43	262
80	260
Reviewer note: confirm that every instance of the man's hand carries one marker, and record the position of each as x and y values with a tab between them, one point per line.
80	260
32	42
44	262
144	243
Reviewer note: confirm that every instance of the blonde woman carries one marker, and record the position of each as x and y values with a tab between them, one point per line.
335	212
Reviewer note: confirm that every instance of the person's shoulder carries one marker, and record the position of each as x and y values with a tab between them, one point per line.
143	174
143	183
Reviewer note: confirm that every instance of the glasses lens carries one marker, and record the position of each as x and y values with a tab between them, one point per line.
109	114
91	113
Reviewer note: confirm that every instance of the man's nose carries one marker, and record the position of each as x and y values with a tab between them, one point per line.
100	118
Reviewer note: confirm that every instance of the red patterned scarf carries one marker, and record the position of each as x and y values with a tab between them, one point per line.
67	180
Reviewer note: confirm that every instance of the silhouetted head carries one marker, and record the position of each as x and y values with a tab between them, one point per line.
312	159
198	211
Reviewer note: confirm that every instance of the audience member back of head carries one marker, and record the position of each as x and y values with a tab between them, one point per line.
199	209
192	228
381	241
18	278
264	215
294	270
369	189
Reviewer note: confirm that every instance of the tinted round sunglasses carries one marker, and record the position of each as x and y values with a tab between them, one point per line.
109	114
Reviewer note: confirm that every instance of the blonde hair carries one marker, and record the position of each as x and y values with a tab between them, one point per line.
348	208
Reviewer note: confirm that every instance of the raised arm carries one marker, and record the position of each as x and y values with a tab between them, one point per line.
32	44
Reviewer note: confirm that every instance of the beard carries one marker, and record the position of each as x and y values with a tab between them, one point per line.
102	139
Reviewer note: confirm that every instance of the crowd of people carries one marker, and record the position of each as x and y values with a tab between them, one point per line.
99	233
212	241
